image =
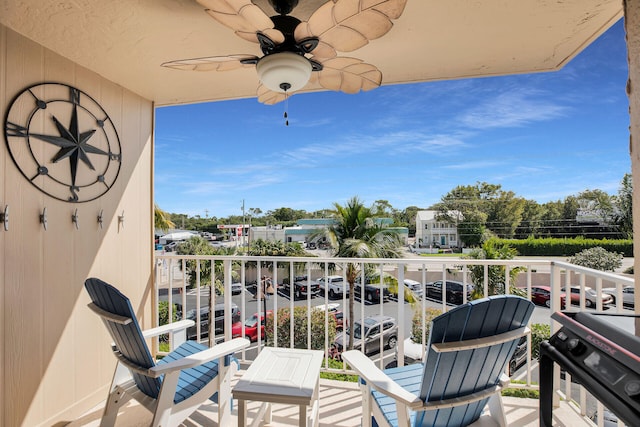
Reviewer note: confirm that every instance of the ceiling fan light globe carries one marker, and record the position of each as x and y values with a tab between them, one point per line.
284	72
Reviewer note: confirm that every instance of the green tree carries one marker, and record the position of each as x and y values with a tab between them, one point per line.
287	214
472	229
624	206
356	235
532	222
407	218
382	208
505	213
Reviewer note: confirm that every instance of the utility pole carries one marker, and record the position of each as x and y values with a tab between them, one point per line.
243	219
206	213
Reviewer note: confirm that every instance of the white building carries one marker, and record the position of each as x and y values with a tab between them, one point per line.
431	231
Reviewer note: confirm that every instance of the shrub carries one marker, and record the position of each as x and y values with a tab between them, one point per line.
551	246
163	312
597	258
300	326
521	392
163	317
416	327
336	364
539	333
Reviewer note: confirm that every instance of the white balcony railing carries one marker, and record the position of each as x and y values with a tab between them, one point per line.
172	284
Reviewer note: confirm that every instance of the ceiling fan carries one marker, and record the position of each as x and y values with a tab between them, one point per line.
295	52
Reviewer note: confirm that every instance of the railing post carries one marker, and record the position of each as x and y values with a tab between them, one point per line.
555	306
198	314
227	299
444	288
507	284
486	280
402	332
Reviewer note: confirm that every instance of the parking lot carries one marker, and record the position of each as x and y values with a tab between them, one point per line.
248	305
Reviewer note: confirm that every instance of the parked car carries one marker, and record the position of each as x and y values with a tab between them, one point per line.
415	287
302	287
236	288
519	357
250	327
373	292
204	320
368	331
590	296
541	295
171	247
454	291
336	286
627	295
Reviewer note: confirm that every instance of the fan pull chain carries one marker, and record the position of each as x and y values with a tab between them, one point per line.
285	87
286	107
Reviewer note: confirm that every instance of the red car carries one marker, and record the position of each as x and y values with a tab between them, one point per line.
250	327
541	295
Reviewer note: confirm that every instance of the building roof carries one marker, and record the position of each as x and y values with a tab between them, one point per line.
316	221
430	215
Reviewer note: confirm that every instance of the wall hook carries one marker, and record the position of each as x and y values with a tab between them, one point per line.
4	217
100	218
43	218
121	220
74	219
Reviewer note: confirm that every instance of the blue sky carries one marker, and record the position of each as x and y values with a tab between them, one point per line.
543	136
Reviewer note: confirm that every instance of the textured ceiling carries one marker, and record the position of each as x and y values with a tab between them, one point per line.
126	40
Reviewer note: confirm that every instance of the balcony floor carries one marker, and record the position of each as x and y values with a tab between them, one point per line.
340	406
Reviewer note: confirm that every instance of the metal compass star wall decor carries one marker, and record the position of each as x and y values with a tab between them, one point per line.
63	142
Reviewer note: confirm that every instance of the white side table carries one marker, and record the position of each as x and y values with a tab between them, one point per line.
281	375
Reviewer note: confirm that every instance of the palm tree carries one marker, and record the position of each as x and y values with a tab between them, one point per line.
357	235
493	249
161	219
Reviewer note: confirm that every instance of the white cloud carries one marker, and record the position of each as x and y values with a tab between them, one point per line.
512	109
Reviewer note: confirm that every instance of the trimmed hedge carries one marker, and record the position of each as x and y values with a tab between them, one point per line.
551	246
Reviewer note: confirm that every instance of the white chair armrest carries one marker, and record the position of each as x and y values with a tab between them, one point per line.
204	356
378	380
170	327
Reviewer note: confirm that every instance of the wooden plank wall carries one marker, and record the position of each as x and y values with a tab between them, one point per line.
55	362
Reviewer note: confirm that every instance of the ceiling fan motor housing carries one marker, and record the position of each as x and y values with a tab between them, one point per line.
283	7
284	71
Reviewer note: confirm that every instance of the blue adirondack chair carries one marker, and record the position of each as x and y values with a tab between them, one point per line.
174	387
463	373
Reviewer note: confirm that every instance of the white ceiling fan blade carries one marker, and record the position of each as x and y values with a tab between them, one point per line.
347	25
212	63
243	17
348	75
